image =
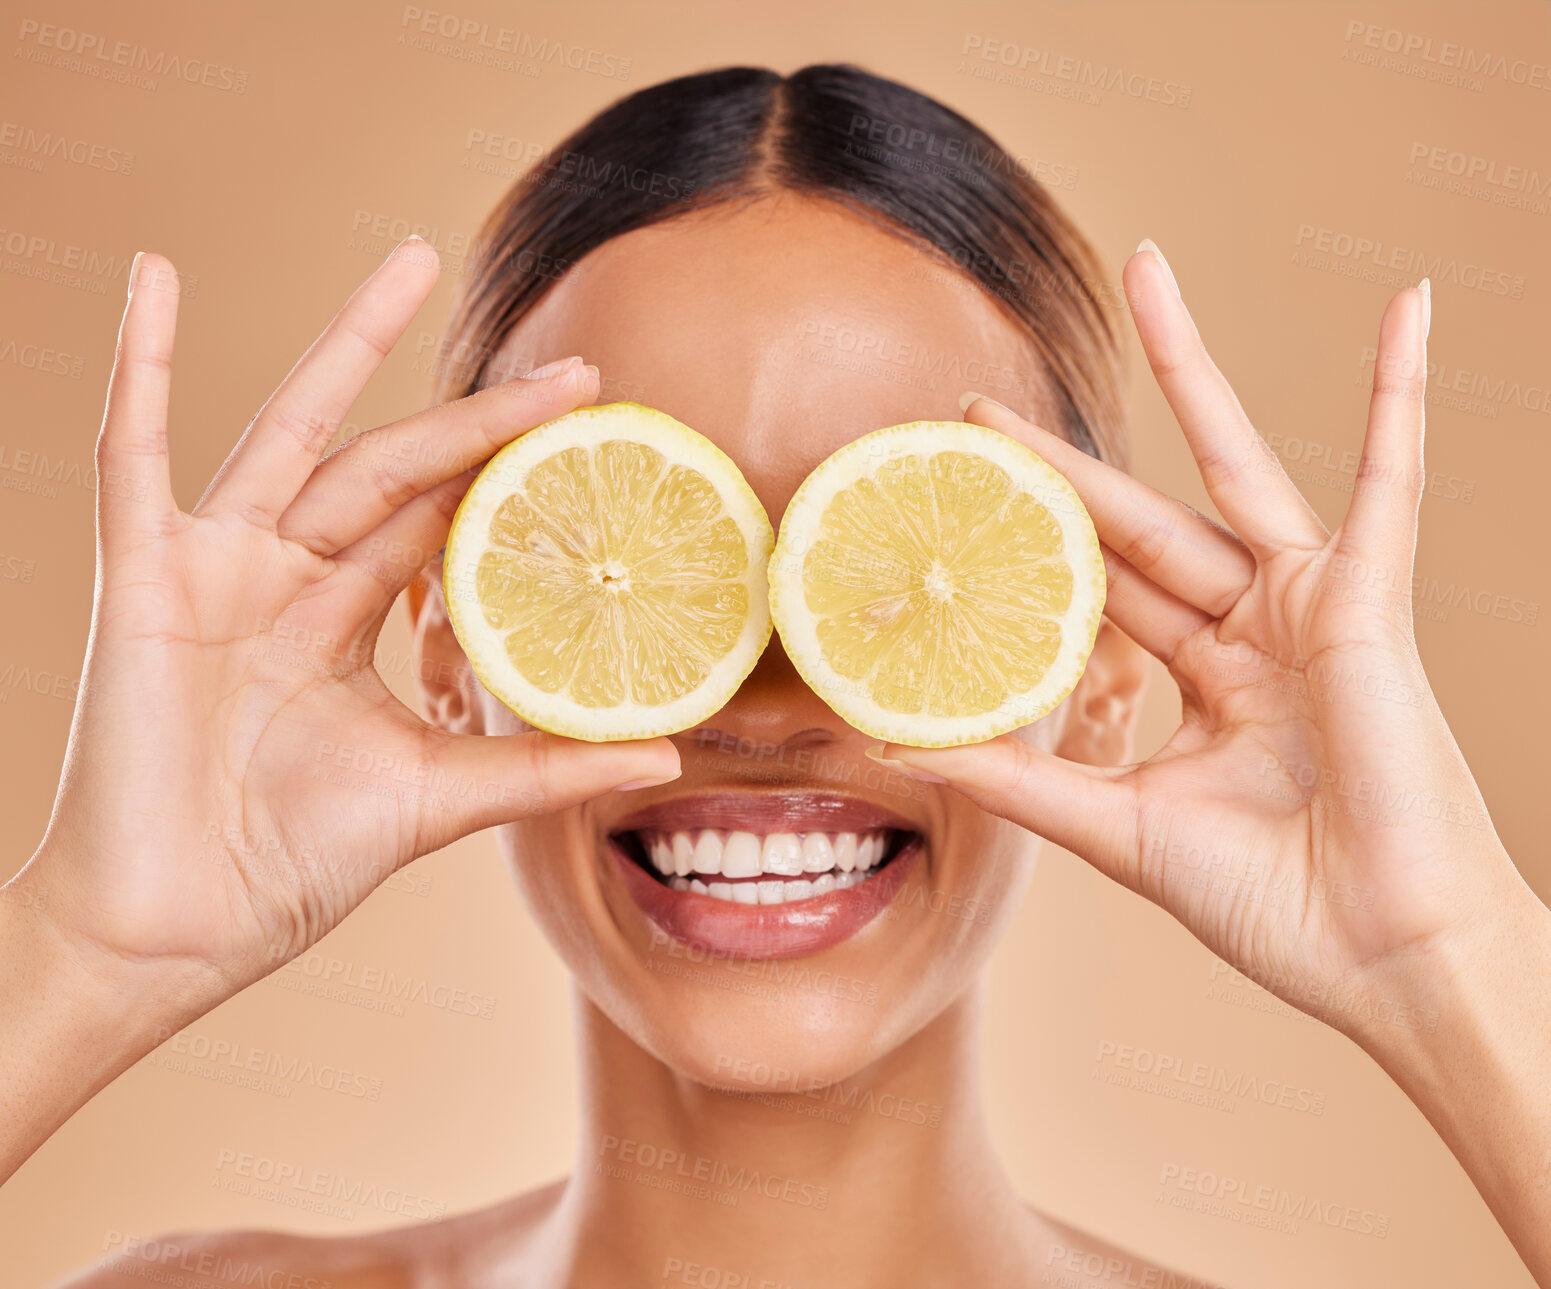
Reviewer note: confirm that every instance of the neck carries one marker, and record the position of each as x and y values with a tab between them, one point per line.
794	1185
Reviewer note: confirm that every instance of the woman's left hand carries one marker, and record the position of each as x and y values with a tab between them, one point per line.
1312	819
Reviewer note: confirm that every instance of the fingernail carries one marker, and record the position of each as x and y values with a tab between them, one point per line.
1425	286
875	752
647	783
134	267
1147	244
594	379
551	369
970	395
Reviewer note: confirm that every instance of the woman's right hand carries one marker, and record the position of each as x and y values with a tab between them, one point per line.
238	776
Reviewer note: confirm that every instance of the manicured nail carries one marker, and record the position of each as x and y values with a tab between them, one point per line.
551	369
970	395
134	267
1147	244
1425	286
875	752
593	379
647	783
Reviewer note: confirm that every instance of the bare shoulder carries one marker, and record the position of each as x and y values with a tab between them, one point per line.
1078	1259
219	1259
427	1255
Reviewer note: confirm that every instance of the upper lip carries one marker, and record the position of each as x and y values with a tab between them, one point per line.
783	810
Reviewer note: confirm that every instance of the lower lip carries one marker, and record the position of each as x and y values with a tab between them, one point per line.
766	930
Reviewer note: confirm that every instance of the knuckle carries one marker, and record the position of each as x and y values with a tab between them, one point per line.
1148	545
376	344
309	431
394	485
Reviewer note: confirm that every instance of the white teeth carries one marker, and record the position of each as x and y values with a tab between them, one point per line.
845	851
783	854
799	866
740	856
865	853
708	853
818	856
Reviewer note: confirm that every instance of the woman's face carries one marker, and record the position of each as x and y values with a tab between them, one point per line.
781	330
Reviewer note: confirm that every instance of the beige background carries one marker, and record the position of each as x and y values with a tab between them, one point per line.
267	200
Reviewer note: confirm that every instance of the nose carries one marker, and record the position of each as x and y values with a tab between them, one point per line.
772	716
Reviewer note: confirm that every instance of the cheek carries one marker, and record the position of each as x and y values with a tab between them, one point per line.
991	874
535	853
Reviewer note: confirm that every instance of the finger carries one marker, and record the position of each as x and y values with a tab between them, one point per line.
1243	477
360	485
495	779
282	446
1381	523
373	571
1155	619
134	482
1177	547
1087	809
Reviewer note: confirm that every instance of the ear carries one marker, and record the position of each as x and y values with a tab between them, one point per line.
442	673
1103	710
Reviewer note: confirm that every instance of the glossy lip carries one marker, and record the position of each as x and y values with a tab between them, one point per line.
765	931
759	931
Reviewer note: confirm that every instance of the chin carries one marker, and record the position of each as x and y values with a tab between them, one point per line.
773	938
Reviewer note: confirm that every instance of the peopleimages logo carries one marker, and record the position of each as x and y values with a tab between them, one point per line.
120	60
46	145
1006	62
1353	255
741	1180
1445	60
506	48
165	1258
1173	1075
305	1187
1238	1199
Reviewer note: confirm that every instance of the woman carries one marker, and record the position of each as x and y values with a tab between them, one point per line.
716	245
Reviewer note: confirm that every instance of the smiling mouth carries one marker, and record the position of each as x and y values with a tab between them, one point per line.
763	874
742	867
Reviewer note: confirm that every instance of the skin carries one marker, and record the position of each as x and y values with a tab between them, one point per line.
716	316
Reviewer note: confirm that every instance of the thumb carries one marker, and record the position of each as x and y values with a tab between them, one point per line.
1081	807
480	780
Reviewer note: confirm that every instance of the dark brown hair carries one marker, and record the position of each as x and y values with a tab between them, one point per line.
836	132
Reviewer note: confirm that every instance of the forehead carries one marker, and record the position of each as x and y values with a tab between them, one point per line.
781	330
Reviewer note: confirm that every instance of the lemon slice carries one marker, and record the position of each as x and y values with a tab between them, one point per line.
937	583
605	575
